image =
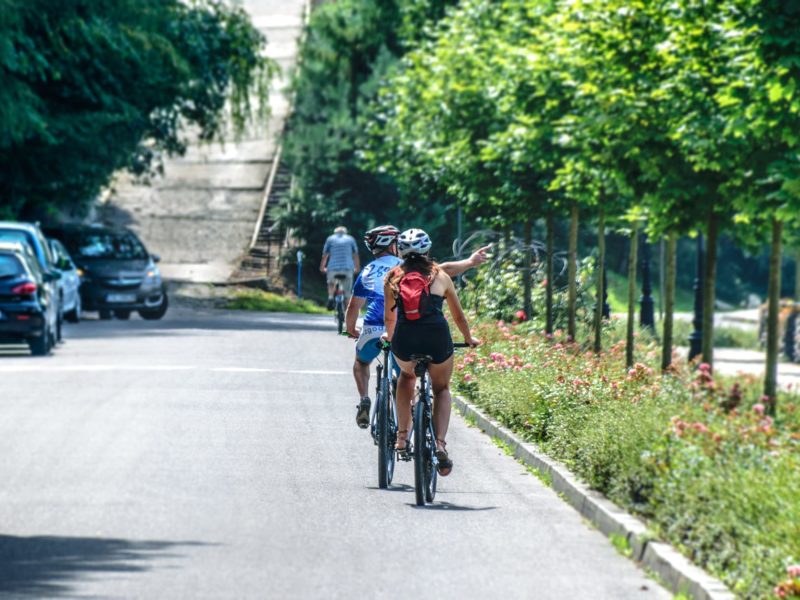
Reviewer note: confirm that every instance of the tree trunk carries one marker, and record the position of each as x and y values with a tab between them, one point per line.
526	273
771	376
669	300
632	262
709	293
572	273
601	265
548	328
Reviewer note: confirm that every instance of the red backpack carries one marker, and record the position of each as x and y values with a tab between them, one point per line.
414	298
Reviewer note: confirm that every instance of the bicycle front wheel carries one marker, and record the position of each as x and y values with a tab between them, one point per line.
385	420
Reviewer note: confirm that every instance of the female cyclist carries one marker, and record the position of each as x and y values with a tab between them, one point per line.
423	330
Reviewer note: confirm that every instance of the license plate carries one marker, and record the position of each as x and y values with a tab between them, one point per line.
121	298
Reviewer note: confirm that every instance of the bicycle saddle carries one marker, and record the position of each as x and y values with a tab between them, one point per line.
421	358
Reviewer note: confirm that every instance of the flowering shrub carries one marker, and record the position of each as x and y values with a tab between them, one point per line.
693	453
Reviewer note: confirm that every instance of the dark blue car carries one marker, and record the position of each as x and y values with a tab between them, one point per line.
29	310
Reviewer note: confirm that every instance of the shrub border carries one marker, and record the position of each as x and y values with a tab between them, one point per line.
674	569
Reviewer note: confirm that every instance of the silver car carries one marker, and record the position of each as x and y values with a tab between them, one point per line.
70	283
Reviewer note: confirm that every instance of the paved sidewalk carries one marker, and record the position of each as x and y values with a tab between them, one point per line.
731	361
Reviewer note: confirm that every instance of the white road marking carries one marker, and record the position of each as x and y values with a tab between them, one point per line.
38	368
278	371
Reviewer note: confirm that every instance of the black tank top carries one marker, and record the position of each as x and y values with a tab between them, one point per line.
435	314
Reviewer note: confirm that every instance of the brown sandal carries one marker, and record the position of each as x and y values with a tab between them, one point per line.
404	451
445	465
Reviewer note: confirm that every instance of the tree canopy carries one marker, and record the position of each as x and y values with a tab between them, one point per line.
90	87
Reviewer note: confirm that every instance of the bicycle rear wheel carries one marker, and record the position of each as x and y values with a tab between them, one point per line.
340	315
419	452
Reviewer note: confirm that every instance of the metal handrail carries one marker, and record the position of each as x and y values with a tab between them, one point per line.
273	171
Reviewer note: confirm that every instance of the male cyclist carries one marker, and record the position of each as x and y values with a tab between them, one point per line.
382	242
339	259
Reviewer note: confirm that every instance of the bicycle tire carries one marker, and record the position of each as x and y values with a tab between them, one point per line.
431	474
340	316
384	478
419	453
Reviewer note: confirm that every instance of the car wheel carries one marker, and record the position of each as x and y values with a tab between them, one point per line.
40	346
122	315
59	325
74	316
105	314
154	314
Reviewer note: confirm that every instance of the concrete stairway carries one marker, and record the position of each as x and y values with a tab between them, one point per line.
261	265
200	216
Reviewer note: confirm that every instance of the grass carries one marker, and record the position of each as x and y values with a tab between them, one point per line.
618	295
259	300
693	454
620	543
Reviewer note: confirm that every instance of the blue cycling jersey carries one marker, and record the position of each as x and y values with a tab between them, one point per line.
369	286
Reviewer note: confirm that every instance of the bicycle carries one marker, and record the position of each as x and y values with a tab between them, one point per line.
384	419
339	300
424	446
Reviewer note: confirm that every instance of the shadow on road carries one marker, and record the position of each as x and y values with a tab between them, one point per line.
395	487
442	506
46	566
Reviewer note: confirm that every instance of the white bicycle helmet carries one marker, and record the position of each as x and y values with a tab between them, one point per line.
413	241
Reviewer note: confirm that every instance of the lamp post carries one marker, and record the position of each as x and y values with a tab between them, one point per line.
646	313
696	337
299	274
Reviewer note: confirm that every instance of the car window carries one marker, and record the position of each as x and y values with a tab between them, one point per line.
14	235
45	247
29	239
10	266
59	252
108	244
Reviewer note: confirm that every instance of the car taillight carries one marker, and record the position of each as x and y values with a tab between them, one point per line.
24	289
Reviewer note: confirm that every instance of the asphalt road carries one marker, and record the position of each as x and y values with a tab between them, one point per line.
215	455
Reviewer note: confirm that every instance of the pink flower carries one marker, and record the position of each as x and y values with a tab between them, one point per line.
467	378
759	408
793	571
521	315
704	367
501	323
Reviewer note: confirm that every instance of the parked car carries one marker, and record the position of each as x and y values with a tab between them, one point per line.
28	304
70	283
31	236
119	274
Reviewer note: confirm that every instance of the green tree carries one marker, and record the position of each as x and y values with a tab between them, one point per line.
87	88
348	49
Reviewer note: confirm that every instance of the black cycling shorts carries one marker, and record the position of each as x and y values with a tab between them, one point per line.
431	338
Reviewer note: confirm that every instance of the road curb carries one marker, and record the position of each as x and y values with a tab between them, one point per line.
675	570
